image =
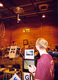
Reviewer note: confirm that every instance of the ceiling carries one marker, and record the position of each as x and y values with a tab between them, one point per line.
30	7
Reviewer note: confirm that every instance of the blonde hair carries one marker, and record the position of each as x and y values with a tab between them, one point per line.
42	43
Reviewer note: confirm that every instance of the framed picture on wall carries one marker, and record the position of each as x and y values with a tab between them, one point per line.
26	76
29	53
25	42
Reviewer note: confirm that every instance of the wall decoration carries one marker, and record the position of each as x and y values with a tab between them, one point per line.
29	54
25	42
26	76
26	30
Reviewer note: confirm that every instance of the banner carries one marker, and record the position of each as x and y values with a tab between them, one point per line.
12	52
15	77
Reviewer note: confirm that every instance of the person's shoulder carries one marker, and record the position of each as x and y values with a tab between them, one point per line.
49	55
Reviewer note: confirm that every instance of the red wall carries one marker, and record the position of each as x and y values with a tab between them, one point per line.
45	28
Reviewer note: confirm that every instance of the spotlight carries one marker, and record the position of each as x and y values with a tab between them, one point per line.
43	16
1	5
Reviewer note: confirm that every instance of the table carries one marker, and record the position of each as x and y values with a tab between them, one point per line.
2	69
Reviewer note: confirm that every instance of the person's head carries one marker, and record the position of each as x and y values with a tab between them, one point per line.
13	42
41	44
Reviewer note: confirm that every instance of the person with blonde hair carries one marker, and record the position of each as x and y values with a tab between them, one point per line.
45	65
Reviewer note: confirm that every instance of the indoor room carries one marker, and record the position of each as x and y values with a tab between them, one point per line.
22	23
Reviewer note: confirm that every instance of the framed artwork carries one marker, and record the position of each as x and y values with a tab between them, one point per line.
26	76
25	42
12	52
29	53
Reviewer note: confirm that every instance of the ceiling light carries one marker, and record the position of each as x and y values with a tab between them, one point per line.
18	11
1	5
43	16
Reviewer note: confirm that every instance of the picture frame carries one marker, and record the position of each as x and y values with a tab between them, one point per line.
29	54
25	42
26	76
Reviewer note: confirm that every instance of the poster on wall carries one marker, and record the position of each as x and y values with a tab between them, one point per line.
12	52
25	42
29	54
26	76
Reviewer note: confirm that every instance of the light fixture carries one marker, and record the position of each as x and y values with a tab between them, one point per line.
18	11
18	19
1	5
43	16
43	7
